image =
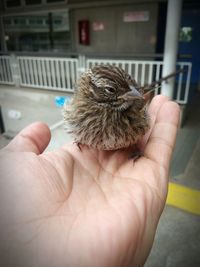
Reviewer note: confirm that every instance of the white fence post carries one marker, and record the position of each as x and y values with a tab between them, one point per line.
15	70
81	64
6	75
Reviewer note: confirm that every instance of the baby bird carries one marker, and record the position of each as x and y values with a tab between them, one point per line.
108	111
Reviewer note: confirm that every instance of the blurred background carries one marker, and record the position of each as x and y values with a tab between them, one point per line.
46	44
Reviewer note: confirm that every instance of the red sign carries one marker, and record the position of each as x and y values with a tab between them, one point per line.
84	29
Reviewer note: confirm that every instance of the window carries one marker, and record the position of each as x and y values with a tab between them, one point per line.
21	21
38	32
54	1
57	21
13	3
185	34
18	3
7	21
40	21
33	2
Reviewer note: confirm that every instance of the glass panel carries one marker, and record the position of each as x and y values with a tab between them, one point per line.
185	34
32	2
54	1
41	32
13	3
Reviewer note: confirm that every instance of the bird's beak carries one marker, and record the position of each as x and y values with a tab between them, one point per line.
131	95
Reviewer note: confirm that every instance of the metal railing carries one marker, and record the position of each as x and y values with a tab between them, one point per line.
145	72
48	73
61	73
6	73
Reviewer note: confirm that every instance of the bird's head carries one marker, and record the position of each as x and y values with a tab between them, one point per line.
111	86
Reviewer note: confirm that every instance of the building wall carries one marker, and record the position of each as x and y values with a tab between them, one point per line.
117	36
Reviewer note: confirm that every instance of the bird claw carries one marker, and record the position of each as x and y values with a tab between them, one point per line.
136	155
78	145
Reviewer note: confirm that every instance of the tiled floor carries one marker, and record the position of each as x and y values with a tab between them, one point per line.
177	241
185	167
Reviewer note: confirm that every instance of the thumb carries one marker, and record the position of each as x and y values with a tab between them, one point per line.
33	138
163	136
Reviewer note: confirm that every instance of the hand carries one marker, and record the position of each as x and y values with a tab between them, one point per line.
83	208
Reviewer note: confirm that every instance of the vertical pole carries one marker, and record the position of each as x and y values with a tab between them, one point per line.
2	128
15	69
51	41
3	45
81	64
171	44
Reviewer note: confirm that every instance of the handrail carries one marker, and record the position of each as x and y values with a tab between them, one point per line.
61	73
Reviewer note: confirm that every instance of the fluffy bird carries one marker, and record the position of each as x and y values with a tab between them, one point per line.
108	110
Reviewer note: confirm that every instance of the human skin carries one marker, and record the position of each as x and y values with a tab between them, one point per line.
82	208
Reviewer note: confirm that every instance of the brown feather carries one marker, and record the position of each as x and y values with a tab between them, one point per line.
99	117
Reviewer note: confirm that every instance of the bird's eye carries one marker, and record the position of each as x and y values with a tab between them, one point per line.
109	90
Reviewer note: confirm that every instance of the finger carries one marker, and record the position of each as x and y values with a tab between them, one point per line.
155	105
162	139
153	109
33	138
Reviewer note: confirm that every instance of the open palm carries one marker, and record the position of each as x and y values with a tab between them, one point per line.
85	207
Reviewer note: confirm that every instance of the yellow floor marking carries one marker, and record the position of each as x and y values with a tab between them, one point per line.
184	198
